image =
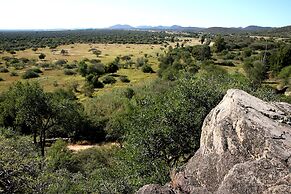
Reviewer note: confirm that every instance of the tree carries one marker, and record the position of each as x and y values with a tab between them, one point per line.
201	52
280	59
83	68
42	56
112	68
29	110
64	52
256	71
219	44
97	52
202	38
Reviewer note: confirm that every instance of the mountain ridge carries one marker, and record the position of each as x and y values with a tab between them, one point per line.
189	28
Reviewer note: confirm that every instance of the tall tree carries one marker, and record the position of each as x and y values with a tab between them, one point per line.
29	110
219	44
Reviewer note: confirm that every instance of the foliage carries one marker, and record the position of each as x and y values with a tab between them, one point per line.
30	74
3	70
59	156
109	80
255	70
19	165
219	44
42	56
285	74
201	52
29	110
13	73
124	79
147	69
69	72
281	58
112	68
20	40
141	62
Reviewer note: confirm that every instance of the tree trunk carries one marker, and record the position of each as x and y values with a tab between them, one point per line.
43	143
34	137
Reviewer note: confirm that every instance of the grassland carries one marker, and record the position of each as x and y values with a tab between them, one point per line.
52	79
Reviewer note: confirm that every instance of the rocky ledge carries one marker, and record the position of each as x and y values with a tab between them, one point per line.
245	149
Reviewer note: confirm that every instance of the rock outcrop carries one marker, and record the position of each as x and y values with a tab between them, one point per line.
245	149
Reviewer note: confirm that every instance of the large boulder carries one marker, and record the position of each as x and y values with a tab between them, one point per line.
245	148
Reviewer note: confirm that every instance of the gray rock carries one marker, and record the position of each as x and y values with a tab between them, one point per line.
155	189
245	148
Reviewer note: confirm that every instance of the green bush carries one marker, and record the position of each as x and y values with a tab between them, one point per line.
13	73
227	63
247	52
61	62
112	68
30	74
124	79
285	75
255	70
109	80
69	72
4	70
19	164
36	70
59	156
147	69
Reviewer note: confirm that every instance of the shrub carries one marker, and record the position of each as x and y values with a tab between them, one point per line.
229	56
4	70
59	156
109	80
255	70
30	74
112	68
141	62
247	52
36	70
69	72
61	62
13	73
1	79
201	52
129	93
124	79
42	56
93	80
226	63
147	69
97	69
285	74
70	66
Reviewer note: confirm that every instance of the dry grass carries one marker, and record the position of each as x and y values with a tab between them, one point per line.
53	79
77	148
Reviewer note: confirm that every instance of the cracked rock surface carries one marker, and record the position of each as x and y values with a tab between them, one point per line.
245	149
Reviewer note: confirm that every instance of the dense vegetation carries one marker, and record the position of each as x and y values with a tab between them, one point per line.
15	40
147	130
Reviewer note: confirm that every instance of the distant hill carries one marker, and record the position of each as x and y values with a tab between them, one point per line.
222	30
172	28
121	27
257	28
212	30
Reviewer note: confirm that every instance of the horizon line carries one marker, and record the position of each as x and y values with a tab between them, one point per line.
133	26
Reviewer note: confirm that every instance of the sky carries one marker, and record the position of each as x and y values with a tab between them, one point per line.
72	14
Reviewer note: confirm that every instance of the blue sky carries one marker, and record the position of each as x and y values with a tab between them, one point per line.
50	14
